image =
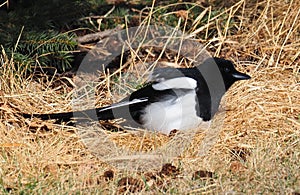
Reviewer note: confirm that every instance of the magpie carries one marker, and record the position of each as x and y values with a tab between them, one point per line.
172	99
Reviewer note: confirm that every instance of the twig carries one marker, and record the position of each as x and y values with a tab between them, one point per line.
95	37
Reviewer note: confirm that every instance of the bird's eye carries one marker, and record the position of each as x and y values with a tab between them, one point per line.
227	69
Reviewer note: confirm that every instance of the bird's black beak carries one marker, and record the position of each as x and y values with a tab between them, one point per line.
240	76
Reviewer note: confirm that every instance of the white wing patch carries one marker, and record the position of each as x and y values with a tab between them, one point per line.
121	104
176	83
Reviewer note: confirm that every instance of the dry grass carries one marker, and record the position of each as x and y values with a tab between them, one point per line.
257	149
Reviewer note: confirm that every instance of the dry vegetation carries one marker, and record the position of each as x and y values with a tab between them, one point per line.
257	149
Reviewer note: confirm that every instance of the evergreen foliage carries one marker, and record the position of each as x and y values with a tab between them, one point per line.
44	41
46	49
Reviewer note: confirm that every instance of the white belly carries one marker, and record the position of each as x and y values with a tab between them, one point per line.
169	115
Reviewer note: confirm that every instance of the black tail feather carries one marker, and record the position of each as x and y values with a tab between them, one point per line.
86	115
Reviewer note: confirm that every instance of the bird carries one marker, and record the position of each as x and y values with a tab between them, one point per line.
172	99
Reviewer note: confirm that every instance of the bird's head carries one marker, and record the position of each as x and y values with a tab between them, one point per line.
229	73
